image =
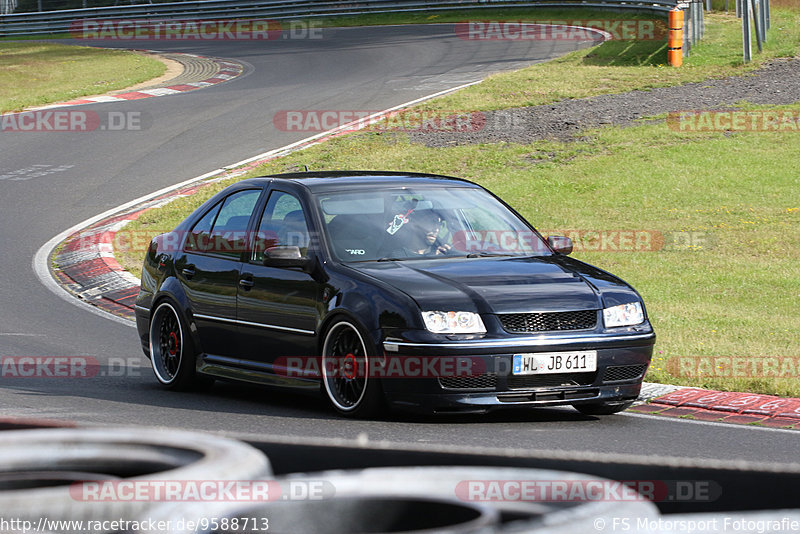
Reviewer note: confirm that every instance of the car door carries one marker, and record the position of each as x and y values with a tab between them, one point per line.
278	308
210	266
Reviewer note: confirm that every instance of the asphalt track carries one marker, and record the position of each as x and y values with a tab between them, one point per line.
189	134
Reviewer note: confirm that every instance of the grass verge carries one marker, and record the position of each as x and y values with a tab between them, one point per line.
726	204
35	73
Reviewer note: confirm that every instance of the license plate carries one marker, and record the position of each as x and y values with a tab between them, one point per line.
541	363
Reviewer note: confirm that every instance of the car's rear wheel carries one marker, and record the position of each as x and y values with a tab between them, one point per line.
603	408
346	372
172	352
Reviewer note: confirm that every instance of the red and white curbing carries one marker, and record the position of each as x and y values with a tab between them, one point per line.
723	406
228	70
86	265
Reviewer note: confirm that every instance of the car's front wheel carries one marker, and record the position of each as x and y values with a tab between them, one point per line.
172	352
603	408
346	370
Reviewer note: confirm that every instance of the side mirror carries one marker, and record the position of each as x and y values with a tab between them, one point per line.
560	243
286	256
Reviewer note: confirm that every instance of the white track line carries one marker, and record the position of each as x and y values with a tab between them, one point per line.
732	426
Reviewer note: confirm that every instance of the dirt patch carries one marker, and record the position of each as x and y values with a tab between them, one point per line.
776	83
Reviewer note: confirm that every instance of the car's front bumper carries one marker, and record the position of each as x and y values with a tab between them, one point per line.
622	361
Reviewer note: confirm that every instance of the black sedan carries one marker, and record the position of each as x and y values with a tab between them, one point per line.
404	290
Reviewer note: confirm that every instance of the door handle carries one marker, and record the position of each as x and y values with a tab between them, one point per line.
246	283
188	271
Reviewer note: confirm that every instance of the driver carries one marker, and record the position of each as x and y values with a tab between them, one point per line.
421	235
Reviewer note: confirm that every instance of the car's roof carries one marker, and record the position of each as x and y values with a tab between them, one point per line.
336	180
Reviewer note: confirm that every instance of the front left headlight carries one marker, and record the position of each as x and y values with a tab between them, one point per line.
623	315
453	322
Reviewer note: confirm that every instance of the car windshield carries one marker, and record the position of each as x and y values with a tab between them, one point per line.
429	222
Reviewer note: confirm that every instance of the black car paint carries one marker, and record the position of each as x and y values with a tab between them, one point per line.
385	299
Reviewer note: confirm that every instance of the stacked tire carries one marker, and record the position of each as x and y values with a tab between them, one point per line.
42	472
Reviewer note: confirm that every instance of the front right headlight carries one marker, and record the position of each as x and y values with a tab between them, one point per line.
452	322
623	315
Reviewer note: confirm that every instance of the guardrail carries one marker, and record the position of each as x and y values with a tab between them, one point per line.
59	21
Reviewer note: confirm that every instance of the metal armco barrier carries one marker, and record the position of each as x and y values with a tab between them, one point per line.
59	21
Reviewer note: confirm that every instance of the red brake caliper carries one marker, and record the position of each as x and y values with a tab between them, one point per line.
350	368
173	344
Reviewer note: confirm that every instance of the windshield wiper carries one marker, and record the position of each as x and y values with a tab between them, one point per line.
392	259
488	254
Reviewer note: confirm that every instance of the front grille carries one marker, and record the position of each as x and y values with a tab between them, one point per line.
618	373
553	380
484	381
520	323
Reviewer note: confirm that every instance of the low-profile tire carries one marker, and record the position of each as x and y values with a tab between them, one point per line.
172	352
351	395
603	408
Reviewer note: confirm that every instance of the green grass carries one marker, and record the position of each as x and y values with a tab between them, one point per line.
731	292
35	74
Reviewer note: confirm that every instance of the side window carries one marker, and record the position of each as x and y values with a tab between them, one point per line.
283	224
223	230
200	234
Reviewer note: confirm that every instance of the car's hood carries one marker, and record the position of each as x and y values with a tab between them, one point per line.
502	285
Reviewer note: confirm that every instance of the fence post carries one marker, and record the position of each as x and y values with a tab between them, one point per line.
746	45
702	14
697	34
687	29
757	21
